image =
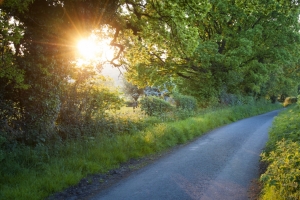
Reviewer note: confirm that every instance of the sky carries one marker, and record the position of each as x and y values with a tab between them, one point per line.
114	73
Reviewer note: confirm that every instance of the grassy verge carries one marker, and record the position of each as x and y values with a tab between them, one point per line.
282	178
35	173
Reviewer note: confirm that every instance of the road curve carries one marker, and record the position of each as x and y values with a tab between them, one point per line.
218	165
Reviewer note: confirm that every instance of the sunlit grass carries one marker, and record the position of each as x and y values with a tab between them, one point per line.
128	112
270	193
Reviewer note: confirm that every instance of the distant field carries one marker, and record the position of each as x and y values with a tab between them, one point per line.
129	112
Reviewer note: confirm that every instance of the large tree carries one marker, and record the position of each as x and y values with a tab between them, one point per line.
207	47
239	47
38	52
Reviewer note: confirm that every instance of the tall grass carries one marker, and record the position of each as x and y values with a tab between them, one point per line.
35	173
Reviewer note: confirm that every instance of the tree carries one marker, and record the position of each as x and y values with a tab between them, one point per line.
132	90
236	47
243	47
37	53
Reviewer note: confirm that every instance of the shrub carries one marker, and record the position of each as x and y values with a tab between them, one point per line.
153	106
185	102
285	126
289	100
229	99
282	153
82	106
235	99
250	100
282	178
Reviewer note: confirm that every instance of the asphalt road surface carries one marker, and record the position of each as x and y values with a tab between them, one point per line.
218	165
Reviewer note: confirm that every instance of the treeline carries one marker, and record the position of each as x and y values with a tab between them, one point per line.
215	49
216	52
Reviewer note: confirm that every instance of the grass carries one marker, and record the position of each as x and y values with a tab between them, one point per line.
129	112
35	173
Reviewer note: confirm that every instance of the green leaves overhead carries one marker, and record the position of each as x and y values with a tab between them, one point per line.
237	45
243	46
205	47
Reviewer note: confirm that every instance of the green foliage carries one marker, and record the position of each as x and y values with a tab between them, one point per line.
154	106
20	5
285	126
200	47
289	100
37	61
282	178
233	99
132	90
203	48
84	106
241	48
36	172
185	102
11	78
2	149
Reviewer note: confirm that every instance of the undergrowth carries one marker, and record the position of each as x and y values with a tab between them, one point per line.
282	178
37	172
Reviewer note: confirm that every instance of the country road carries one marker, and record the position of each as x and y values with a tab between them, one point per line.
218	165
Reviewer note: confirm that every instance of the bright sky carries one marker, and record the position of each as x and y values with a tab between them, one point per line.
94	49
114	73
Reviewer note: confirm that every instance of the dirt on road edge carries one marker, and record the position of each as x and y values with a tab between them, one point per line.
256	187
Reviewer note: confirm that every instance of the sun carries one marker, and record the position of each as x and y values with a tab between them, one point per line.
87	49
95	49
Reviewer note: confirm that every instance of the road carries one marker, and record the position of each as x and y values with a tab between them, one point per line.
218	165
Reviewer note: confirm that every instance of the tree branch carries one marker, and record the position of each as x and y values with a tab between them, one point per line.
120	46
183	76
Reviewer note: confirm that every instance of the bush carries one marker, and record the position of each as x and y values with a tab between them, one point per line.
250	100
185	102
285	126
282	178
82	106
229	99
282	153
234	99
154	106
289	100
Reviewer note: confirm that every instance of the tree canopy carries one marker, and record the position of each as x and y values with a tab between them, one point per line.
249	48
237	45
204	48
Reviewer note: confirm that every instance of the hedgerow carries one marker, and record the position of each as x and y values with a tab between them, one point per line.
282	154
